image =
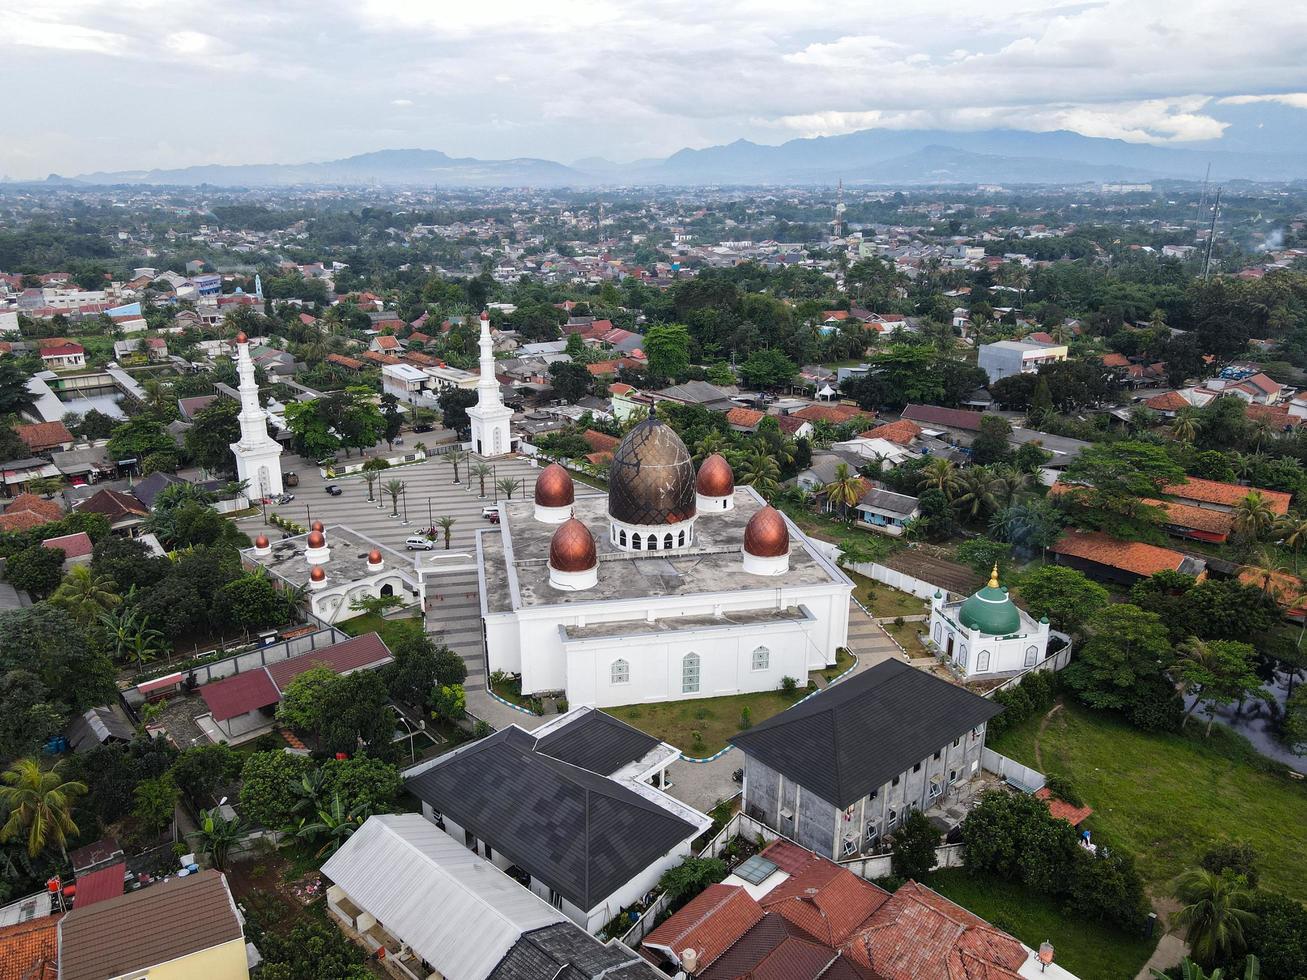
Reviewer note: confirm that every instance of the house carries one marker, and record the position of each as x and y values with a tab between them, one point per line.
890	453
1007	358
386	343
351	364
457	915
601	445
956	424
744	419
568	809
125	512
77	548
64	356
822	469
1215	495
95	727
242	705
987	634
29	949
841	769
28	510
1123	563
100	886
44	437
701	393
18	473
408	383
1198	523
885	511
833	414
189	408
184	927
1287	589
904	432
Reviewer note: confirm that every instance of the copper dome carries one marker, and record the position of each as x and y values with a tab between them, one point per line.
651	477
554	487
319	526
766	535
318	574
715	477
374	556
572	548
241	338
316	539
261	541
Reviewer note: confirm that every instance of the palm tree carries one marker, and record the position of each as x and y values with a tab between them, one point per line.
118	628
447	526
1189	970
1246	463
846	489
217	835
509	486
394	488
1260	431
1293	528
370	477
39	802
940	474
85	594
1253	516
1186	426
761	472
712	442
146	644
481	471
1215	913
46	486
1010	484
1264	566
455	458
336	824
1195	656
975	495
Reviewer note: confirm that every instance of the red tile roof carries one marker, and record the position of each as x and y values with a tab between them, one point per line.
1074	815
28	510
1287	589
600	442
745	418
1227	494
76	545
100	885
1130	556
953	418
710	924
43	435
834	414
1116	361
619	388
30	950
387	342
825	900
1171	401
240	693
1211	522
351	363
63	350
901	432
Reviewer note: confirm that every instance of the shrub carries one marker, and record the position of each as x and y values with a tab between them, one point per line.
689	878
789	686
1237	857
746	717
913	855
1061	787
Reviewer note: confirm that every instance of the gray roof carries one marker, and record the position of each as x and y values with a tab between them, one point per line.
859	734
697	393
151	486
454	908
823	465
582	834
596	741
568	952
1063	448
888	501
98	725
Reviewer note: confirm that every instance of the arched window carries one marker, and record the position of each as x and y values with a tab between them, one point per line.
389	590
621	538
620	672
653	542
635	541
1032	654
667	540
680	540
982	662
690	674
939	633
962	656
761	658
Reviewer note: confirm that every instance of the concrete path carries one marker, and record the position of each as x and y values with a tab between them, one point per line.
1170	952
867	640
705	784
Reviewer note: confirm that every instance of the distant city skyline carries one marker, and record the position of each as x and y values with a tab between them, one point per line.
100	86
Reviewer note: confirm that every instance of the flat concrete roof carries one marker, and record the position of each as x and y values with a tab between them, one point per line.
516	559
348	560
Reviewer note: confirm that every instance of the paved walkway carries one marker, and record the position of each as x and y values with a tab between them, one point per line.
868	641
1170	952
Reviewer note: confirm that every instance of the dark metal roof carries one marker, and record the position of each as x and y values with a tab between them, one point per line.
582	834
597	742
859	734
567	952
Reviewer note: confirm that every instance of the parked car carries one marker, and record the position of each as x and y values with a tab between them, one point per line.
291	479
422	427
490	514
334	490
416	543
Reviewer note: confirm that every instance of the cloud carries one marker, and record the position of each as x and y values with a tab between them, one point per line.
1295	100
401	103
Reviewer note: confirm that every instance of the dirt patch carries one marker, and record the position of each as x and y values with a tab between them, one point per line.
1043	724
260	883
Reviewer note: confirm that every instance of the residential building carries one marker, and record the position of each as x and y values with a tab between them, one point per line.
841	769
176	930
885	511
64	357
1007	358
1214	495
29	948
408	383
457	915
953	424
987	634
45	437
27	510
1119	562
568	810
124	512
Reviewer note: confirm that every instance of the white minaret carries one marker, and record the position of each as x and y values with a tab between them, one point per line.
490	416
258	455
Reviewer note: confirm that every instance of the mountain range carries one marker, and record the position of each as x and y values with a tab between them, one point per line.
867	157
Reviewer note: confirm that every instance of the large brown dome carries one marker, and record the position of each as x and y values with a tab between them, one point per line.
716	479
572	548
651	477
554	487
766	535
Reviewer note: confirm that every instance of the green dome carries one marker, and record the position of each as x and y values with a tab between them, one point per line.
990	610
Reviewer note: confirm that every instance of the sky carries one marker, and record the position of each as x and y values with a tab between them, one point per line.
141	84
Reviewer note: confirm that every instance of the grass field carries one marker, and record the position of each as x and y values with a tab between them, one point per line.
1090	950
843	661
388	629
909	637
717	720
1167	797
885	600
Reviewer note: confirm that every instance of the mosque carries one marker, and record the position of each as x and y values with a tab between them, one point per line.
675	584
986	634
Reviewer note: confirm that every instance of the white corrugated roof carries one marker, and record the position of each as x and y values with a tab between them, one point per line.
454	908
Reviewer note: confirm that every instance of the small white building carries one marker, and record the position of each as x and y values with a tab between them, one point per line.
1011	357
987	634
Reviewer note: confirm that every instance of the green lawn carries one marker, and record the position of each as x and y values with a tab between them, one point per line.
885	600
843	661
1092	951
909	637
717	720
389	629
1167	797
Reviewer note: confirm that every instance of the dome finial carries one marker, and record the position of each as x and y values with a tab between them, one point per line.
993	577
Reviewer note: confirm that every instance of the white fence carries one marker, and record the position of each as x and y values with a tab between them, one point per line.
1055	662
880	573
881	865
1022	777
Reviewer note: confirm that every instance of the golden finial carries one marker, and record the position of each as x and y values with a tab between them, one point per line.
993	577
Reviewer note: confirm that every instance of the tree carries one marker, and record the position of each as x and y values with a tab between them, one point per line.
1253	516
217	835
314	432
456	458
140	437
913	855
446	525
975	496
687	879
667	347
48	643
356	712
1293	530
361	779
1217	672
1041	402
1067	597
85	594
509	486
129	562
449	702
454	403
760	471
392	419
335	823
156	803
1125	653
203	770
393	489
372	473
39	803
846	489
768	368
36	570
15	398
303	701
267	787
1216	911
1113	480
1293	726
1278	935
419	667
251	602
940	474
210	438
570	380
991	442
481	471
982	554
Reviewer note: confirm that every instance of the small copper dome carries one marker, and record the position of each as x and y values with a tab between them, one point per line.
766	535
318	574
241	338
572	548
374	556
261	541
319	526
316	539
715	477
554	487
485	315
